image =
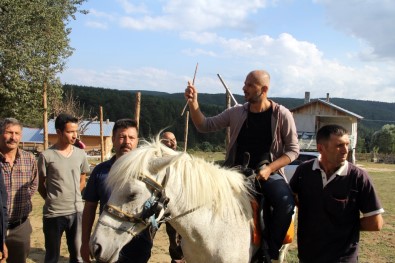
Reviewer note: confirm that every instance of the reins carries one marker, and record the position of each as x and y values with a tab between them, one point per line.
170	218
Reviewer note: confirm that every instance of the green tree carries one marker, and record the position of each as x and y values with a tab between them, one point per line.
384	139
34	46
206	147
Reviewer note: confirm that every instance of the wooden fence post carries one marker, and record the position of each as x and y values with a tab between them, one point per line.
101	136
137	109
45	115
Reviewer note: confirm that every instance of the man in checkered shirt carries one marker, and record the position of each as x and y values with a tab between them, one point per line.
19	169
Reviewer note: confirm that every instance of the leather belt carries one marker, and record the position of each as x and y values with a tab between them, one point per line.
15	223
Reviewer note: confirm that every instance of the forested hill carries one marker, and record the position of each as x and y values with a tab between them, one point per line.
160	110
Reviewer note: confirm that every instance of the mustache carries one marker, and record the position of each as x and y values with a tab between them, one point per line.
126	146
10	141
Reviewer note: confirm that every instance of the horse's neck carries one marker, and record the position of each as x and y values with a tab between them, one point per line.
208	238
194	237
187	223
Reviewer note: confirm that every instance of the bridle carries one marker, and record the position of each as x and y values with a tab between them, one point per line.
154	210
154	207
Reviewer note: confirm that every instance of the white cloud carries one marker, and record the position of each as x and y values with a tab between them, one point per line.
96	24
299	66
296	66
200	37
131	8
146	23
370	20
99	20
198	51
262	46
93	13
146	78
196	15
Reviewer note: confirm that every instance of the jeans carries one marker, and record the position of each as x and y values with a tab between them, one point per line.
277	194
53	230
138	250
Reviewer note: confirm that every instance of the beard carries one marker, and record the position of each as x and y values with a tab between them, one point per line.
254	98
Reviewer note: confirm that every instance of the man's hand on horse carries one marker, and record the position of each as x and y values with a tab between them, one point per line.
264	172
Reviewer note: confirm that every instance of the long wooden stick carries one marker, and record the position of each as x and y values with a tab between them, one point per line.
186	131
227	89
193	82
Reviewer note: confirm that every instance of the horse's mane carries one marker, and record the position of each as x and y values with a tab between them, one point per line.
203	184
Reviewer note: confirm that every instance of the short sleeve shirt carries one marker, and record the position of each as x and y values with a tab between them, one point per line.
329	216
62	181
96	189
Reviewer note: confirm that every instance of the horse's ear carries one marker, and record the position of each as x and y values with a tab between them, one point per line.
158	164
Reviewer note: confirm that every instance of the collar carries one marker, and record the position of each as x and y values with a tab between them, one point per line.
17	155
342	171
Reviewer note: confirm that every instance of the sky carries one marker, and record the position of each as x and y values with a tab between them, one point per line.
342	47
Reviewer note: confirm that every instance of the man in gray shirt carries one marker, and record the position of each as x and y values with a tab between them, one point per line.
62	171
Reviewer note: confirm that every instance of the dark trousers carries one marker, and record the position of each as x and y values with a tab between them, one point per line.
138	250
175	250
18	242
278	195
53	230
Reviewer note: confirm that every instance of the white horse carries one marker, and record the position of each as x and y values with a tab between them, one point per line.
209	205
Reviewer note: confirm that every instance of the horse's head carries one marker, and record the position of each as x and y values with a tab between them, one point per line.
194	186
137	182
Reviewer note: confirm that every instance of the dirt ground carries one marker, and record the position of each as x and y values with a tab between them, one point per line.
159	252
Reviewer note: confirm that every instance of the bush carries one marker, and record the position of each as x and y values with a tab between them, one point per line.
206	147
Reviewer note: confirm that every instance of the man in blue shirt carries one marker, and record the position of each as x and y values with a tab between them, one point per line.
124	139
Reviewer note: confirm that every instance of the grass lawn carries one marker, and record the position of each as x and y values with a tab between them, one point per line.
380	246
